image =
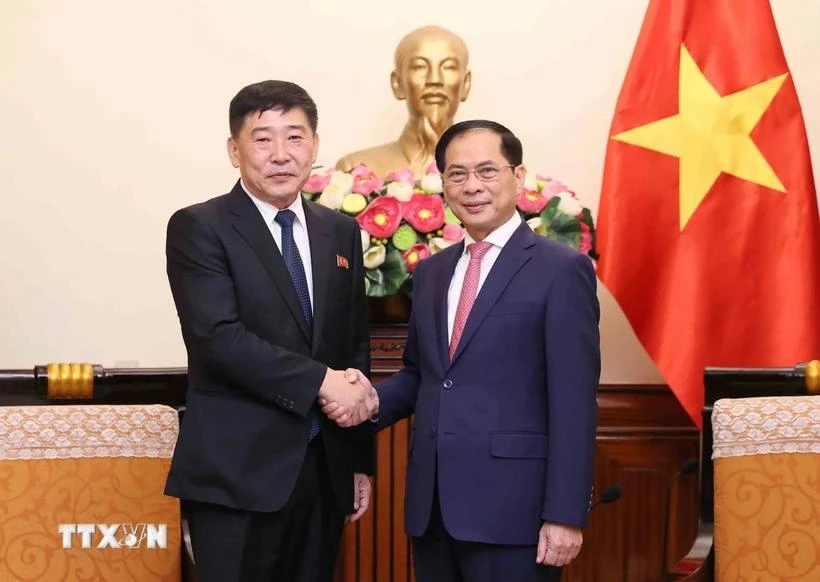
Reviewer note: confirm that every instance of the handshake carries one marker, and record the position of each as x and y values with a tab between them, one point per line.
347	397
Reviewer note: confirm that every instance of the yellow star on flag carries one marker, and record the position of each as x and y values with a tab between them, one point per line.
710	135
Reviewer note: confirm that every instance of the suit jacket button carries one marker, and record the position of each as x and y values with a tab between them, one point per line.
432	433
447	384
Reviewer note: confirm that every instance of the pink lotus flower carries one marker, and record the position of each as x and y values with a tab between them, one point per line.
414	254
382	217
316	183
365	182
586	238
431	169
552	188
424	213
531	202
405	175
453	232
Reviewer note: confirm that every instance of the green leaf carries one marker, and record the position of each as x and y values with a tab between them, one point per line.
586	216
374	276
388	278
560	226
550	210
571	239
564	224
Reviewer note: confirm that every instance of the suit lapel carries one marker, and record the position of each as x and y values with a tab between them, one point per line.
251	227
443	278
512	257
321	260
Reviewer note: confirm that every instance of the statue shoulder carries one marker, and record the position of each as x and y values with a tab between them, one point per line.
386	156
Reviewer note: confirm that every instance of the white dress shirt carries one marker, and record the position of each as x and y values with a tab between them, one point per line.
498	238
300	234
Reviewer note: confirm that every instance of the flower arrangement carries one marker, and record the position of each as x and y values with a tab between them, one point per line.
403	221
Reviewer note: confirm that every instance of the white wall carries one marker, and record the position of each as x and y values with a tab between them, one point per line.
114	114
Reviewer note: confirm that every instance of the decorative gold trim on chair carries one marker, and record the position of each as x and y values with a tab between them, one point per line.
70	381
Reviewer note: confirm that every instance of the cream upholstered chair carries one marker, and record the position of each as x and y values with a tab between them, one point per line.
766	455
81	493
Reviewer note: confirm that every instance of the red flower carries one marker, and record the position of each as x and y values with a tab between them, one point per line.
415	254
531	202
424	213
382	217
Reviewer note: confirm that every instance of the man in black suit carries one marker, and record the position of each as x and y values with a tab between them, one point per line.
269	289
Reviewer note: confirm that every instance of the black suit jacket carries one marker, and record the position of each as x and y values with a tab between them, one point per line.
253	370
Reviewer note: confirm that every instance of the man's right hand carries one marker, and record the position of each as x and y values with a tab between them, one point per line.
347	397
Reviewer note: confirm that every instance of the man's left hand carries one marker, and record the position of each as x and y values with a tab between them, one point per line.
558	545
361	496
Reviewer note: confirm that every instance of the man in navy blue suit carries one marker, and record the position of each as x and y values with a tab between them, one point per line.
501	369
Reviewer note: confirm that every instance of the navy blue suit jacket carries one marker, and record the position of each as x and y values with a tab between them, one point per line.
507	430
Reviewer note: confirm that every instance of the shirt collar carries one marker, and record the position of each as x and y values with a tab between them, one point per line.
498	237
269	211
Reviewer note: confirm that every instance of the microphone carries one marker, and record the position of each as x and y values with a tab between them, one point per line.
689	466
610	494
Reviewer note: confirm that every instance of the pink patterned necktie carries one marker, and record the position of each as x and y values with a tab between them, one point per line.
468	291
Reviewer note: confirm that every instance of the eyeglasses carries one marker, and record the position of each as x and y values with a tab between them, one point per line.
459	176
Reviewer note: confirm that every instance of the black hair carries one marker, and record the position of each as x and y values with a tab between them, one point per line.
265	95
511	147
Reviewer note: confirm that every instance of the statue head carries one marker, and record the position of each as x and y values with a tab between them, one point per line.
431	74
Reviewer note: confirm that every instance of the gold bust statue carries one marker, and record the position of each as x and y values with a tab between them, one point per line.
431	74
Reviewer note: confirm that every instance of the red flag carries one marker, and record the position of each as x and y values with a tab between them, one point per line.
708	227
